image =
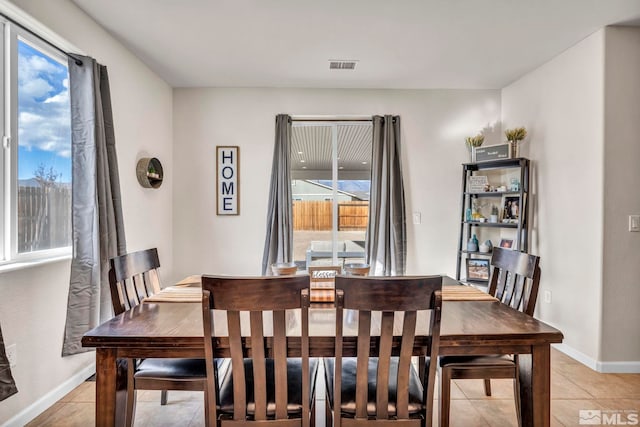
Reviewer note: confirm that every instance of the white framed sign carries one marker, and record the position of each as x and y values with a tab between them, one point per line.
227	180
478	184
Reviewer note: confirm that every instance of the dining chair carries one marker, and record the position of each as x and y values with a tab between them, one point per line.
381	385
514	281
271	379
322	282
132	277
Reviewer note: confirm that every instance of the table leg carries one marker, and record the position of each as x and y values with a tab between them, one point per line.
111	392
535	386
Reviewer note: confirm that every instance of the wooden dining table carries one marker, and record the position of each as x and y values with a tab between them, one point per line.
470	326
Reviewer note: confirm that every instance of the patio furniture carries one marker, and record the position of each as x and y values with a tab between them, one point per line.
345	249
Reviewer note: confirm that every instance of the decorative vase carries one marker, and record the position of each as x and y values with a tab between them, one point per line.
513	149
472	244
493	218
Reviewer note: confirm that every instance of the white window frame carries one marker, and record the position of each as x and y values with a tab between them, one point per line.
9	153
335	171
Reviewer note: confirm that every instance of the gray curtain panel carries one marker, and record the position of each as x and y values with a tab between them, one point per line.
279	240
386	246
97	223
7	384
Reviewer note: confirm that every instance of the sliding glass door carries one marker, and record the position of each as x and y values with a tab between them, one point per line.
330	178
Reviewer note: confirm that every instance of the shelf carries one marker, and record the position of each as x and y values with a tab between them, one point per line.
496	164
490	224
484	283
504	170
149	172
493	193
476	253
483	286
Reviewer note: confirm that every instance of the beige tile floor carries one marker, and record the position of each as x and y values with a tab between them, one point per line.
573	387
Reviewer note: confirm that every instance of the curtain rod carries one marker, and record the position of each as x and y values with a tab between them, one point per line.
59	49
331	119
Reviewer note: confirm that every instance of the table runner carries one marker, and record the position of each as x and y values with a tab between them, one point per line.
192	293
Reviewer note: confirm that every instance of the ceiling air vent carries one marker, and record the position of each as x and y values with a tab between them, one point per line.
342	65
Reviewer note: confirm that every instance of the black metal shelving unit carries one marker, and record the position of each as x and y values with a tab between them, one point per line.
468	228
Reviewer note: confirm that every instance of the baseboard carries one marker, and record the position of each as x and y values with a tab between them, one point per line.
46	401
618	367
630	367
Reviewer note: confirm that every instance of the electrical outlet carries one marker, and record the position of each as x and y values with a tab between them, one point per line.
417	218
547	297
634	222
12	355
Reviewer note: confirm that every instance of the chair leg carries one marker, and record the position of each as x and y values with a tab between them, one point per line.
487	387
516	395
445	396
163	397
328	420
207	421
131	394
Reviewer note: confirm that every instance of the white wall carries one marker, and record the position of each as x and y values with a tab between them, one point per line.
434	124
33	301
561	104
621	293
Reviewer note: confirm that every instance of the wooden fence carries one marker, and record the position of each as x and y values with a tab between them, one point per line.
315	215
44	218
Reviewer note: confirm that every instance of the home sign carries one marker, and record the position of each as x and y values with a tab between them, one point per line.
227	180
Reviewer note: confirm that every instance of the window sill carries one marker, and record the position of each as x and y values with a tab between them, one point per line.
21	265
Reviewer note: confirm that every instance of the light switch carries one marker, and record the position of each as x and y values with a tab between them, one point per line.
634	222
417	218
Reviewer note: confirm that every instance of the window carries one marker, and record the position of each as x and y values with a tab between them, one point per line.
331	179
36	158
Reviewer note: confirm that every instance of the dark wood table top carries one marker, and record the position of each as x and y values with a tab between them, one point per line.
470	327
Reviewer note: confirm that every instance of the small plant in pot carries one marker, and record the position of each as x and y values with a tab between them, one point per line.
473	142
514	136
494	214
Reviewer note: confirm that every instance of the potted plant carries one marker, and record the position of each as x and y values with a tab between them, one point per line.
513	137
472	142
494	214
151	172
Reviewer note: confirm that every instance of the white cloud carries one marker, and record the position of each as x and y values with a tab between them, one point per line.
36	88
62	97
44	113
33	66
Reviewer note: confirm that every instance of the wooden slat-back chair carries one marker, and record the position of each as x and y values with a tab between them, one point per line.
133	277
322	278
514	281
381	385
318	273
272	377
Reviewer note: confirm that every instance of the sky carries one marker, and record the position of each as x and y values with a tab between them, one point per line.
44	131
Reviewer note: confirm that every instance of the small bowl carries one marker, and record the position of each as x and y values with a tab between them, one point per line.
357	269
284	268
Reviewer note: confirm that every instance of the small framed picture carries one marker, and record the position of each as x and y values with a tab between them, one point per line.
511	209
478	184
506	243
477	270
